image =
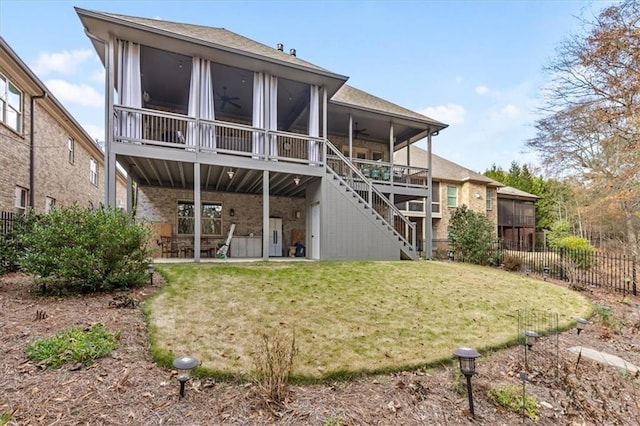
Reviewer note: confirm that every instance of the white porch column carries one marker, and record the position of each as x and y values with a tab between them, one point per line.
109	198
197	213
350	137
265	215
427	228
324	115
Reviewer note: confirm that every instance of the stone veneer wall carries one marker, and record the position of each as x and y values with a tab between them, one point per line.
159	206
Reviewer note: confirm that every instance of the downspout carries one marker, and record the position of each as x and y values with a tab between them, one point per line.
32	154
429	204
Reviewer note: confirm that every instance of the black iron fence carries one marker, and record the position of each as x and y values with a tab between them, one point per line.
6	222
579	267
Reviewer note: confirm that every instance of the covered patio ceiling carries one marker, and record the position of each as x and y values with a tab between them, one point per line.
179	175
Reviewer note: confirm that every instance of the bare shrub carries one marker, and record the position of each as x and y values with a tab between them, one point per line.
273	361
512	262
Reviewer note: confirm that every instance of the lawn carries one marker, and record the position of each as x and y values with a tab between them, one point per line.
348	317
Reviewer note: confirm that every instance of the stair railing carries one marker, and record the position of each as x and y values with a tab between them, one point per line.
352	177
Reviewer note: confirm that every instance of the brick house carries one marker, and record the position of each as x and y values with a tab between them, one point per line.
46	158
511	210
223	133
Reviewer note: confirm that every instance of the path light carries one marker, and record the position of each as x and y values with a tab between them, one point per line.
545	273
184	364
580	323
467	358
150	268
530	338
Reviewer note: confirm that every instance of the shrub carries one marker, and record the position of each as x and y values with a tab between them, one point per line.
11	247
86	250
471	236
511	397
578	250
76	345
512	262
273	363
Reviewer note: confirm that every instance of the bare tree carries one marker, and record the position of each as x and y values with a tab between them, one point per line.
590	128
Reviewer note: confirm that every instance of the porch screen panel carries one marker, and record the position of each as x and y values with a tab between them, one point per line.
129	124
257	146
314	124
273	114
201	104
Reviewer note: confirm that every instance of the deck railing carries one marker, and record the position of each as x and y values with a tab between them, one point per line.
351	175
392	174
156	128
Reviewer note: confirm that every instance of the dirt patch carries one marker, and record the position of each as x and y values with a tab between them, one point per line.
128	388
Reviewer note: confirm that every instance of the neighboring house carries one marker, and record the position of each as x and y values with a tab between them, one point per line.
453	186
222	133
46	157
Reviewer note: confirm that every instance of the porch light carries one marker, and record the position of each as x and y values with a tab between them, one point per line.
296	180
580	323
467	358
230	173
184	365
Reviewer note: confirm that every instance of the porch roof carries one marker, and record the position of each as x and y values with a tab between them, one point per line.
231	48
349	96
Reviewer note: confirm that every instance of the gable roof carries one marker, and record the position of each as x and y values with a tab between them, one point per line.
511	192
350	96
441	168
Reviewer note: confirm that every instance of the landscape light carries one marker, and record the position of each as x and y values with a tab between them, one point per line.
530	338
580	323
184	365
151	267
467	358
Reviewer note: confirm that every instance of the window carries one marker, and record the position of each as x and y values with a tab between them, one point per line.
489	198
452	196
49	204
211	218
435	197
22	195
10	104
377	156
71	149
416	206
93	171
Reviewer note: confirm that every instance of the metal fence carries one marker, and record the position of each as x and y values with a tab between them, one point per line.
6	222
579	267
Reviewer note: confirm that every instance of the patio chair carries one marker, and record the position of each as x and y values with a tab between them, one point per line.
168	248
222	251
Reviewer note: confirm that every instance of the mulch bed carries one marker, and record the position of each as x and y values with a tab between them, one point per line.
129	388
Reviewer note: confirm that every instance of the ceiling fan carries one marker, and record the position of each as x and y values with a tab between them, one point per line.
359	132
226	99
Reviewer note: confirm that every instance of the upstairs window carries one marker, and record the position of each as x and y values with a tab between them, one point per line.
489	198
93	172
49	204
71	149
10	104
452	196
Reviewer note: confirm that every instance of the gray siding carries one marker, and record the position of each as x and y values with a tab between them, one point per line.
350	232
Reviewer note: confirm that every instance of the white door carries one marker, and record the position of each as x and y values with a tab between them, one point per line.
315	231
275	236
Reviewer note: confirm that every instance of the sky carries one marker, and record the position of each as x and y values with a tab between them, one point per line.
475	65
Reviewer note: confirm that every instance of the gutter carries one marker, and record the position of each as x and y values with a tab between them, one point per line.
32	149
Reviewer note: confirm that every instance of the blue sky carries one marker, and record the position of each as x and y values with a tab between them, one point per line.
476	65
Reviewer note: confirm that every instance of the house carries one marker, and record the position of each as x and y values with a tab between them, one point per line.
227	137
511	210
46	158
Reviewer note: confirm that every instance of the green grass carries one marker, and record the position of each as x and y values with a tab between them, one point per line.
511	397
348	317
75	345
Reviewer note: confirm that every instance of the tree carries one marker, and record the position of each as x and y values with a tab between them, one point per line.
591	125
471	235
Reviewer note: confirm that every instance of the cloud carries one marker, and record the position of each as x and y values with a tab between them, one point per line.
81	94
65	62
510	111
98	76
482	90
96	132
448	114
